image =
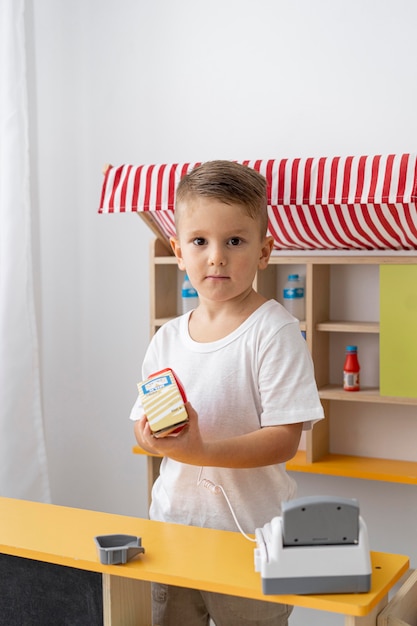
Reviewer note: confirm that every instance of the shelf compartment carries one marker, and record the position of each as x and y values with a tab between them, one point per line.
348	327
367	394
387	470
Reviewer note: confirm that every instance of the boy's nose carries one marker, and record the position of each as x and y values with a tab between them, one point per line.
216	257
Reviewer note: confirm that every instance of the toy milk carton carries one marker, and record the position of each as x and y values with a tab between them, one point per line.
163	398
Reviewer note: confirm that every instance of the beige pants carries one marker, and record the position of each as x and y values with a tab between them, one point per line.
174	606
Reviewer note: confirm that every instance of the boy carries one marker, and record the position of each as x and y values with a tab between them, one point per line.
249	378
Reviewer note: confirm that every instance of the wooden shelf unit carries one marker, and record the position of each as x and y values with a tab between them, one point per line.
318	327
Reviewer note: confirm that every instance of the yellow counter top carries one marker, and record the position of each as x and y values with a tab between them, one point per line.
200	558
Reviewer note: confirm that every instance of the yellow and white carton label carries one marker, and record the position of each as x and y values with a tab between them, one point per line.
163	403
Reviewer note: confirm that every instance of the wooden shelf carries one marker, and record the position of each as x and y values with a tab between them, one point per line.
165	256
160	321
357	467
338	257
166	260
348	327
367	394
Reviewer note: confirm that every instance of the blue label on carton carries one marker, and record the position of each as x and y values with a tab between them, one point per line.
155	384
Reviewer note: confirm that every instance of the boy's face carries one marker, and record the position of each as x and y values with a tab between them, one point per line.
220	247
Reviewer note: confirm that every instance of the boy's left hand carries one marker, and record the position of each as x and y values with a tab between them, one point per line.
185	447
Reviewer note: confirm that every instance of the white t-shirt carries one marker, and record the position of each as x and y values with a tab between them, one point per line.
259	375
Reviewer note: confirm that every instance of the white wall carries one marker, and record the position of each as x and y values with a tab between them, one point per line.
177	80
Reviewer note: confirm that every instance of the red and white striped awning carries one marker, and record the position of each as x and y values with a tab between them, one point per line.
365	203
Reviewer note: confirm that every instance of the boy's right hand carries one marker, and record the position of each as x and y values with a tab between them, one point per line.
185	447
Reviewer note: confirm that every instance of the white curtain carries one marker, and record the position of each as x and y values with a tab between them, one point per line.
23	464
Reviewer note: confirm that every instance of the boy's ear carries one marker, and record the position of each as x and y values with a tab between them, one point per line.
266	251
175	245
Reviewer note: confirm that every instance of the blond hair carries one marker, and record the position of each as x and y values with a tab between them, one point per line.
229	182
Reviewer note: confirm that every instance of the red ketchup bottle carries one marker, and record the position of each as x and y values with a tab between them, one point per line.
351	369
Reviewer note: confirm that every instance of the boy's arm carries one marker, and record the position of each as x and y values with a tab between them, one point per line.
266	446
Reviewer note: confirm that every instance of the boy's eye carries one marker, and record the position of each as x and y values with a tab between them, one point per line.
199	241
235	241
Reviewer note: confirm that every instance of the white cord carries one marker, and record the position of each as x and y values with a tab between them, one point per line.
216	489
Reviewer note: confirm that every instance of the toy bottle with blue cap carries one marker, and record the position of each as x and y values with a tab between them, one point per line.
294	300
351	369
189	296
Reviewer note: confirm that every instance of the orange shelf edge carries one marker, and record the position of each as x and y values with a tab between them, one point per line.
387	470
367	468
139	450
